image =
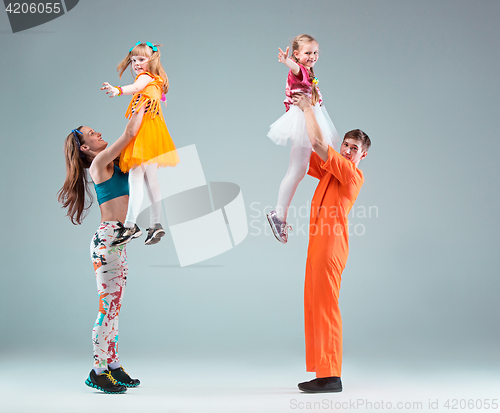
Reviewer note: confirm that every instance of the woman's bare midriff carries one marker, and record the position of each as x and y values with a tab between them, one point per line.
115	209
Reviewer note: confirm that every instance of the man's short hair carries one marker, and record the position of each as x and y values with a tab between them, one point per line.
359	135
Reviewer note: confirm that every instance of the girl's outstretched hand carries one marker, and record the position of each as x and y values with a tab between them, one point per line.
282	56
110	90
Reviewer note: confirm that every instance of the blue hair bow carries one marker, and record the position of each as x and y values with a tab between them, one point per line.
132	48
153	47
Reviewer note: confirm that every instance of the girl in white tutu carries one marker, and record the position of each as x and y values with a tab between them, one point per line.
292	126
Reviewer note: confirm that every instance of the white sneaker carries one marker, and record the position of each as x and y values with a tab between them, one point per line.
280	228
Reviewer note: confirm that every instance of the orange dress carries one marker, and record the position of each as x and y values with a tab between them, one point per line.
153	143
338	188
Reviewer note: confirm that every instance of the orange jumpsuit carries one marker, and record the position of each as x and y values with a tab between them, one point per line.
339	185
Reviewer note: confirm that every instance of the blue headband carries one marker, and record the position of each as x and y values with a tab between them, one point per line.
153	47
77	141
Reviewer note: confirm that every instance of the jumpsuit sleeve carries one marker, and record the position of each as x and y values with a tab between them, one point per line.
315	169
345	171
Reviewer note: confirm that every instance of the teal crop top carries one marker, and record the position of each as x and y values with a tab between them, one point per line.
114	187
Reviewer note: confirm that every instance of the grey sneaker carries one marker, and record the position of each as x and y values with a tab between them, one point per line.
280	228
154	234
126	234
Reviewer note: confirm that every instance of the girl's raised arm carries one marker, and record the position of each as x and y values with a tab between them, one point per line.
135	87
283	58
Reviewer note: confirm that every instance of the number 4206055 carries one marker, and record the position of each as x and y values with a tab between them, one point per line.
33	8
471	404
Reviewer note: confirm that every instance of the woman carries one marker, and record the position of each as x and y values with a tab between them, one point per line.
85	149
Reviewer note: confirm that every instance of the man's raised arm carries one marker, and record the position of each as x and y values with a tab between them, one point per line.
313	130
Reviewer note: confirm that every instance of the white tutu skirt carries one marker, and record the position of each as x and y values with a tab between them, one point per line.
292	126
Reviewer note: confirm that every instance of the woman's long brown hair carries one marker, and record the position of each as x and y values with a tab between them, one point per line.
75	194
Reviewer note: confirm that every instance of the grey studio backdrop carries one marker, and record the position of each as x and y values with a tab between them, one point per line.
420	77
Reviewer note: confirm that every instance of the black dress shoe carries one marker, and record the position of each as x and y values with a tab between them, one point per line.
322	385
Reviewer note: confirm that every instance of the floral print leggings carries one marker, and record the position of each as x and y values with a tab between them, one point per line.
110	265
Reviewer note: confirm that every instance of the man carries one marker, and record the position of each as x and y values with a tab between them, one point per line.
339	183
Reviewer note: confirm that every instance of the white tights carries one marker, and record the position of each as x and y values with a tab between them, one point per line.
137	177
299	160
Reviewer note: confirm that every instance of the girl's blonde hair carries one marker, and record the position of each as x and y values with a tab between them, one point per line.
297	44
154	64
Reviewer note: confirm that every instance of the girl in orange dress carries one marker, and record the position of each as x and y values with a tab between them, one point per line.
152	147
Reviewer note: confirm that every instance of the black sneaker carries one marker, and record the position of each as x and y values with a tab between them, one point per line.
322	385
104	382
122	378
126	234
154	234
